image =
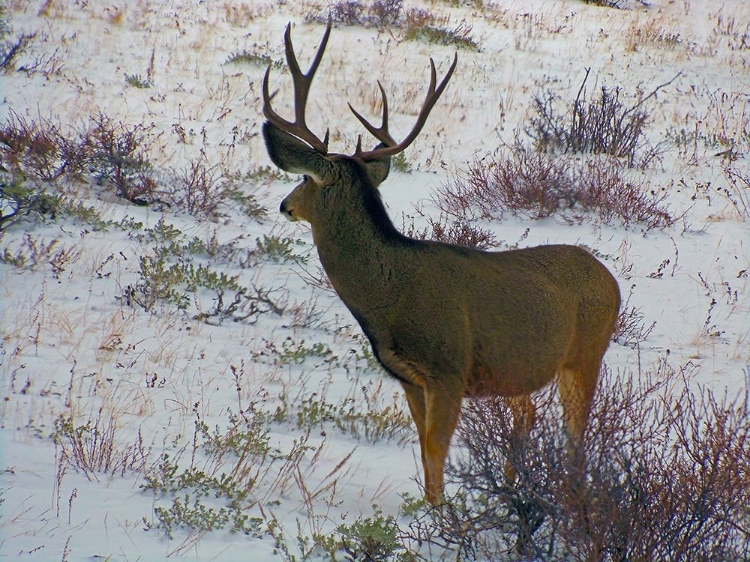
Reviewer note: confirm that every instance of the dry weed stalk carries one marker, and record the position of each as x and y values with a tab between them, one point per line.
93	449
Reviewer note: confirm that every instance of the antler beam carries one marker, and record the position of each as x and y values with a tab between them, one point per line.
302	82
381	133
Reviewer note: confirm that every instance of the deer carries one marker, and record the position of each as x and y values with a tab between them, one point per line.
446	321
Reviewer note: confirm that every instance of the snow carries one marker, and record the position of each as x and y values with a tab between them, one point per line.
72	345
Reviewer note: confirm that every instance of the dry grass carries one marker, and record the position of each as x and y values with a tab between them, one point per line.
92	447
656	490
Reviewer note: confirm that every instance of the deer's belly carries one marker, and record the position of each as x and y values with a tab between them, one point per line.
483	383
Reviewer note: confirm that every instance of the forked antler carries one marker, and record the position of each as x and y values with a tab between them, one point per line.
302	82
381	133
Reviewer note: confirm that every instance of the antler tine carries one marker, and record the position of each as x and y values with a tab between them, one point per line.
381	133
302	82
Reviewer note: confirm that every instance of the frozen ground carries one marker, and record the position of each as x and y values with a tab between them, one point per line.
75	348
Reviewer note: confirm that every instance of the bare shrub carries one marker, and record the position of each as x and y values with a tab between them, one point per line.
11	49
630	329
519	181
415	18
417	24
604	125
618	4
38	148
457	231
117	153
386	12
198	189
348	12
667	478
462	233
605	3
379	13
535	185
598	186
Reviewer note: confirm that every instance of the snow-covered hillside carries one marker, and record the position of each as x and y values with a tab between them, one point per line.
149	349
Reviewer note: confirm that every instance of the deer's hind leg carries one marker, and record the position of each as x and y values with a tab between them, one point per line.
577	387
524	415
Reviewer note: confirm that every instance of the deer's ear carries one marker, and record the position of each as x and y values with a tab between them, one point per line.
294	155
377	170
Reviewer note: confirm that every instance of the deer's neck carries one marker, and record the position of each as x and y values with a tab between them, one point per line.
362	253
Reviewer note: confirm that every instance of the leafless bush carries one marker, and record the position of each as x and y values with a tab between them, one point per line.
605	3
536	185
38	148
379	13
599	126
457	231
198	189
417	24
348	12
462	233
667	478
386	12
618	4
117	153
598	186
11	50
519	180
630	330
112	151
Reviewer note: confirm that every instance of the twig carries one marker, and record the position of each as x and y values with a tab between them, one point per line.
653	93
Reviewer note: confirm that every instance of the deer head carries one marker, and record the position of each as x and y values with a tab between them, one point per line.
293	147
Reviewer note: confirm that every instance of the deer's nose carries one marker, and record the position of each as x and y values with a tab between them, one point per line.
286	211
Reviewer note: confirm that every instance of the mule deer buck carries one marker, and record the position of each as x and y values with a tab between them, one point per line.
446	321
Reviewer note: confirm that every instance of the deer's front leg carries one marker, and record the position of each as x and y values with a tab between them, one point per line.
443	409
415	399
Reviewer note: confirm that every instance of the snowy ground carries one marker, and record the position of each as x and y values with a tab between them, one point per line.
73	346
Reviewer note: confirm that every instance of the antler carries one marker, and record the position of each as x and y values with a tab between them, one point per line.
381	133
302	83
